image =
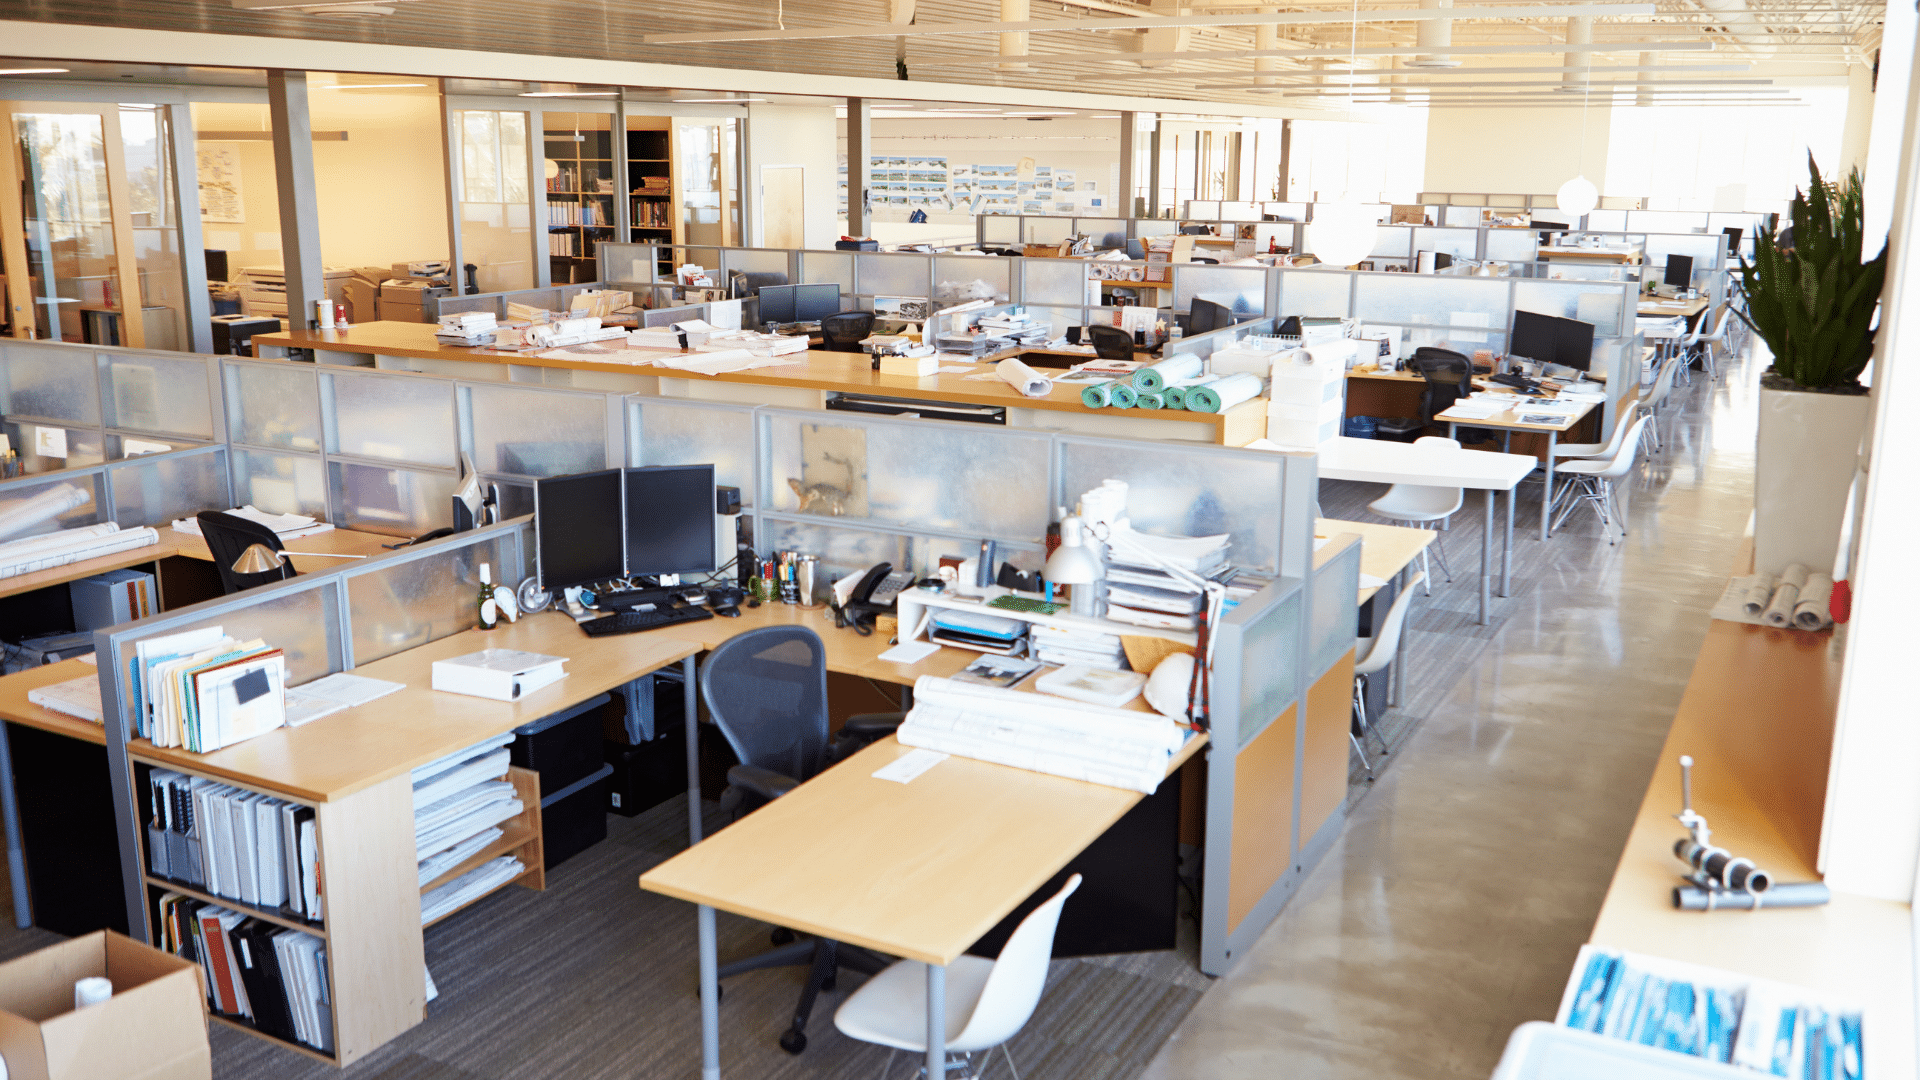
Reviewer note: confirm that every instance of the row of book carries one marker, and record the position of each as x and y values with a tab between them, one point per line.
566	245
203	690
461	804
591	214
652	213
271	976
234	843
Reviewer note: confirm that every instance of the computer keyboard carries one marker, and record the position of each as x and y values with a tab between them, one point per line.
1517	381
627	622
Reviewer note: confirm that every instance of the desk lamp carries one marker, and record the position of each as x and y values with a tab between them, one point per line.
259	559
1074	563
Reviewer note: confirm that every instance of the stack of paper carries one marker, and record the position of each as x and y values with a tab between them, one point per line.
285	526
49	550
1063	647
76	697
336	692
468	887
654	337
204	690
458	804
755	343
235	843
1475	409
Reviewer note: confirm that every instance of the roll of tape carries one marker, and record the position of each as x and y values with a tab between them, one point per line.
91	991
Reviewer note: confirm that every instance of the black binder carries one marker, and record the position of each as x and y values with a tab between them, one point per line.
260	973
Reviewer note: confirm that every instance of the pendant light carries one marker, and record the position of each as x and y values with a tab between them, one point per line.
1577	197
1343	232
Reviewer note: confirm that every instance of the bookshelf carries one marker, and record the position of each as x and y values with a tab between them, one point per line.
651	211
582	185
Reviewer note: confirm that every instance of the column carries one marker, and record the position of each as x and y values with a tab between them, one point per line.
1123	199
859	162
299	207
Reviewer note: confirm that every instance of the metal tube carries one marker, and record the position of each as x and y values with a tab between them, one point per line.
1486	557
693	753
709	997
1797	894
1546	497
16	852
936	1022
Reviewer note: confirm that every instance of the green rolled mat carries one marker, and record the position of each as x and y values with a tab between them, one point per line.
1172	369
1174	397
1097	396
1124	397
1224	393
1151	400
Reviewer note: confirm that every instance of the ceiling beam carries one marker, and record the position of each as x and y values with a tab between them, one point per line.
1370	73
1313	54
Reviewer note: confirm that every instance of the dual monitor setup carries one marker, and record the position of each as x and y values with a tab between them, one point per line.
785	304
1548	339
613	524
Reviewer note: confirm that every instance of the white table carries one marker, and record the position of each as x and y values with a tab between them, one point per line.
1384	462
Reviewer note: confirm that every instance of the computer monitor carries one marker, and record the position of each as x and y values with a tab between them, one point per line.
1208	316
579	533
670	520
1679	272
777	303
1734	236
1548	228
811	303
1428	262
1573	344
1533	337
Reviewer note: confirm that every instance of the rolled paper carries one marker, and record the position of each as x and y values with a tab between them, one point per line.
1150	400
91	991
1813	611
1224	394
1785	595
1124	397
1097	396
1024	379
1174	397
50	503
1172	369
1759	594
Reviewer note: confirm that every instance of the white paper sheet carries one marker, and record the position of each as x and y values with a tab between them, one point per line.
906	769
910	652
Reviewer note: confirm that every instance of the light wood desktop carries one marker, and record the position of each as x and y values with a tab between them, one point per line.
333	541
1385	549
15	708
1625	255
340	541
1671	308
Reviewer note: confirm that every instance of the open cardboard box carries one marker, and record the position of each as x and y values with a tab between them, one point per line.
153	1028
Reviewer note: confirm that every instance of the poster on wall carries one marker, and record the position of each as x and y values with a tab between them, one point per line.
220	196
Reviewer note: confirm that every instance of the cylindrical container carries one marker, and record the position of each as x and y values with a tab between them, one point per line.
91	991
805	571
1150	400
1123	396
1174	397
1098	396
1172	369
323	313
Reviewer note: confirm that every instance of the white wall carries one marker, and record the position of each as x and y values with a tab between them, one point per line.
382	193
254	241
1515	151
803	136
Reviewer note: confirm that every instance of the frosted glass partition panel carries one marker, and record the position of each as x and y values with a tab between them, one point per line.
1392	242
1046	230
1244	286
274	405
1458	215
52	382
304	624
664	432
1459	243
1315	294
1513	245
626	262
754	260
394	418
955	272
279	483
159	394
708	257
89	512
820	267
401	605
1057	319
1267	689
1145	227
893	275
1054	281
1605	220
910	474
1704	249
74	448
1268	233
1106	232
536	433
998	230
159	490
1181	492
1599	303
1431	300
397	502
1336	588
1668	221
841	549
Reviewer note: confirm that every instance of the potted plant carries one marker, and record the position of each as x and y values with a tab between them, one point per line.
1812	300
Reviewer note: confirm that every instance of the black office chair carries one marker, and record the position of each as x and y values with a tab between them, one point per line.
228	537
1136	250
1203	259
1111	342
844	332
1449	378
767	691
1196	230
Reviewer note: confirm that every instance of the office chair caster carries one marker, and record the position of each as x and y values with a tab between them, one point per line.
781	936
793	1041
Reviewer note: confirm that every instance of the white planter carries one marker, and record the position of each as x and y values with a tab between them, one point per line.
1808	448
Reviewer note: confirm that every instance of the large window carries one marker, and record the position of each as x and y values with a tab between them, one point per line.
1729	158
496	208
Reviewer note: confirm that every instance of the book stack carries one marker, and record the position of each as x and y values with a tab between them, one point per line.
1069	646
459	806
234	843
1146	595
203	690
285	526
271	976
468	887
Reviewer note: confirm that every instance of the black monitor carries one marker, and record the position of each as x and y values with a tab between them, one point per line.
1734	235
1533	337
217	267
579	534
1208	316
670	520
1679	272
811	303
776	303
1573	344
1548	228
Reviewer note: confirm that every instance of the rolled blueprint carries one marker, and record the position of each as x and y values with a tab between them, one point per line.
1224	394
1173	397
1024	379
51	503
1812	612
1124	397
1759	595
1786	595
1170	370
1797	894
1150	399
1098	396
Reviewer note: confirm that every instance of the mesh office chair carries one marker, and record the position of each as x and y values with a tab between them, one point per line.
1449	378
1136	250
767	691
227	537
1111	342
844	332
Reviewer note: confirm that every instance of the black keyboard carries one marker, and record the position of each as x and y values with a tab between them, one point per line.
627	622
1519	382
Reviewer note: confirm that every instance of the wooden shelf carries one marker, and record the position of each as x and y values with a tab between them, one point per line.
522	837
291	922
242	1025
532	873
511	838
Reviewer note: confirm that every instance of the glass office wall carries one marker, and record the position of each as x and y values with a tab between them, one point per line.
496	203
709	196
239	189
379	169
153	207
581	188
62	232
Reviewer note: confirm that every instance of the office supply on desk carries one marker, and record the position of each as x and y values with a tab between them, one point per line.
499	674
1057	736
76	697
333	693
1002	671
1023	378
48	550
628	622
111	598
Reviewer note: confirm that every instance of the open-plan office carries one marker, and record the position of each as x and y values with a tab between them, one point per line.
1043	577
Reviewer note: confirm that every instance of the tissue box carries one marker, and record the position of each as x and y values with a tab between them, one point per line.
153	1028
911	366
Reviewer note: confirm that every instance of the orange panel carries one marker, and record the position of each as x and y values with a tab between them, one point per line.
1262	816
1323	774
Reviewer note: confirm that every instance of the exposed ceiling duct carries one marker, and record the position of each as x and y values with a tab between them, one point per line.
1436	34
1742	24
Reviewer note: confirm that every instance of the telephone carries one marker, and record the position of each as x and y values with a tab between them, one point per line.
872	595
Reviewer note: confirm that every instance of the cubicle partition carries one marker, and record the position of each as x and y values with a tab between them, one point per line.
552	298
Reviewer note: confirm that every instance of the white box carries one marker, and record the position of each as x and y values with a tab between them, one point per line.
500	674
914	367
1301	434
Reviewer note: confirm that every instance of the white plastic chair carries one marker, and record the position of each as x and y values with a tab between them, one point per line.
1371	656
1595	478
1650	405
1421	506
1707	342
988	1001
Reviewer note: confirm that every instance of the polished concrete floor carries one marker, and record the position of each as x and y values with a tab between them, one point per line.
1451	910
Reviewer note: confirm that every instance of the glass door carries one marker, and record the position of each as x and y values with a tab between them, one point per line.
490	161
709	195
69	250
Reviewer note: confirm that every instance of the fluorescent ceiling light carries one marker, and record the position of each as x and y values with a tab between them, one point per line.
1298	89
715	100
1110	56
34	71
371	86
1151	22
571	93
1344	72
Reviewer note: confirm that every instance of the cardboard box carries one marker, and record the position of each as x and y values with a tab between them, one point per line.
153	1028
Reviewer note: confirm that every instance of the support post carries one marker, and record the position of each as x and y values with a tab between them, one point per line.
299	207
1123	199
186	202
859	164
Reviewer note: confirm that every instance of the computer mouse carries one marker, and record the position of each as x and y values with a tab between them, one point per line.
753	601
730	611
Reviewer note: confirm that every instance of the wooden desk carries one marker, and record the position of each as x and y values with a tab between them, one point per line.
60	575
1385	550
15	708
806	383
1669	308
1507	422
343	541
1590	254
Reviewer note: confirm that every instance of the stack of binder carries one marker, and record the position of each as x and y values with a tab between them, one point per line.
460	804
234	843
271	976
204	690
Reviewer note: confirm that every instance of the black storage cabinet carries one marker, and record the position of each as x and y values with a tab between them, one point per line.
566	750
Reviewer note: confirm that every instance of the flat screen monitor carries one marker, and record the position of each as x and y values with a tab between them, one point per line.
1428	262
670	520
579	533
1208	316
1533	337
811	303
1679	272
1573	344
1734	236
776	303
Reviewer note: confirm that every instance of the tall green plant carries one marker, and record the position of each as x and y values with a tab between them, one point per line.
1813	303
